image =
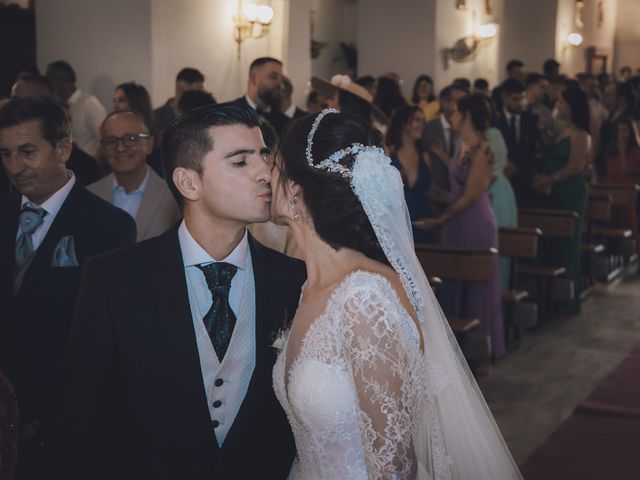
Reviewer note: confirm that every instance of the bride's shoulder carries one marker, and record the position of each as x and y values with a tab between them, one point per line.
364	289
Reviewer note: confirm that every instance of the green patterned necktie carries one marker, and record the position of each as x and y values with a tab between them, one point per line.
31	217
220	319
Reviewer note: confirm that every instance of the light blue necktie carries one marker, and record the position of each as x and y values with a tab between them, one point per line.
31	217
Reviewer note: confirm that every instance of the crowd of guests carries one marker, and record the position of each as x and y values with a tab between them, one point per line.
469	156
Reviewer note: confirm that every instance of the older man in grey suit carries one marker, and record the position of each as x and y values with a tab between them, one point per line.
133	186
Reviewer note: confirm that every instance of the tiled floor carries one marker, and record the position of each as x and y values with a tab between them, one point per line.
535	388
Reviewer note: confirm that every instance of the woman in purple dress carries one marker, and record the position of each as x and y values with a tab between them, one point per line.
469	220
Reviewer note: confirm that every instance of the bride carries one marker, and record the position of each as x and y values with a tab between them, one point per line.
370	375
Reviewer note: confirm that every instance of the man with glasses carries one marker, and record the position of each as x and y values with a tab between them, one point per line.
49	227
133	186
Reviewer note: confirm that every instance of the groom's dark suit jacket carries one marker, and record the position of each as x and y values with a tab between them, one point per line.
35	322
134	404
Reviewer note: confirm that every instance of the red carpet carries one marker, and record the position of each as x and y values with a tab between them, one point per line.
601	439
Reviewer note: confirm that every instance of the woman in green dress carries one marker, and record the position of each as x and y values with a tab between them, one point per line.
564	182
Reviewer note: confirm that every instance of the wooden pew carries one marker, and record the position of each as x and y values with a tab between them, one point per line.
594	259
619	238
467	265
553	224
516	243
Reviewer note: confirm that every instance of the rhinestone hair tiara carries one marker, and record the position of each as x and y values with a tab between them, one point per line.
332	164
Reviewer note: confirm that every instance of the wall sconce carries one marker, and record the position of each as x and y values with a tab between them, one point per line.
251	21
574	39
467	48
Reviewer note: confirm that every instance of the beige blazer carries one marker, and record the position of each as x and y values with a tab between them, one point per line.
158	210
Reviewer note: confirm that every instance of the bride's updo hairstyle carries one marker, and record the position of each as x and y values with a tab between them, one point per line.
336	212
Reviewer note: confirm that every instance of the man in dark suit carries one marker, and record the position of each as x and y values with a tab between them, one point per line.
442	141
264	91
524	142
170	359
49	228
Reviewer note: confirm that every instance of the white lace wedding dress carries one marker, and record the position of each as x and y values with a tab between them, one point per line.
352	393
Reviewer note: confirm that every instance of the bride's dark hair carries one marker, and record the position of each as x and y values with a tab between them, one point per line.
337	214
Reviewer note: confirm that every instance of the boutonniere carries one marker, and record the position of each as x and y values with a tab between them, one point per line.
279	337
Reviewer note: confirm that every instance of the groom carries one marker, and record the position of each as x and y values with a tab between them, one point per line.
169	365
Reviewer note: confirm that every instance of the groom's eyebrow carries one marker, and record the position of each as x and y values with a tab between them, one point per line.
240	151
247	151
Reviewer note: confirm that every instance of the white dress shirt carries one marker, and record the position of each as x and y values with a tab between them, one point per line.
448	131
508	116
87	114
52	206
225	383
254	105
291	111
129	202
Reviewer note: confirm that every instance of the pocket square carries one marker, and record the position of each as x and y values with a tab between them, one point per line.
65	253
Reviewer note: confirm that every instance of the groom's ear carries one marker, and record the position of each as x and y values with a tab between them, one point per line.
187	182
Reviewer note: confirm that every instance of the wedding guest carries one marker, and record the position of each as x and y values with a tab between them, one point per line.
388	96
469	220
623	103
169	364
515	71
345	95
187	79
369	82
463	83
598	113
87	113
424	97
551	68
264	91
286	104
407	155
481	85
623	166
524	141
195	99
133	96
83	165
563	182
315	102
625	73
132	185
537	89
442	140
50	226
32	86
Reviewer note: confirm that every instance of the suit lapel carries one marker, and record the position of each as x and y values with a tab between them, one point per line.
171	297
65	223
151	200
104	188
267	322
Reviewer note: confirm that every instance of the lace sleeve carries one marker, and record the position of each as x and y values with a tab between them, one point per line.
381	351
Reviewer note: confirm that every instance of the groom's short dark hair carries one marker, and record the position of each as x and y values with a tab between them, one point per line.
187	141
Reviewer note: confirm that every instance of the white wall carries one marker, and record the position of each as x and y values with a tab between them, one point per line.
106	42
627	43
528	33
149	41
573	59
397	39
334	21
452	25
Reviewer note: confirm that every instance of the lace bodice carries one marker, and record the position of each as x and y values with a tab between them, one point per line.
352	392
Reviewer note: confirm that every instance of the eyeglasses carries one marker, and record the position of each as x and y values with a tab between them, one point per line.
128	139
